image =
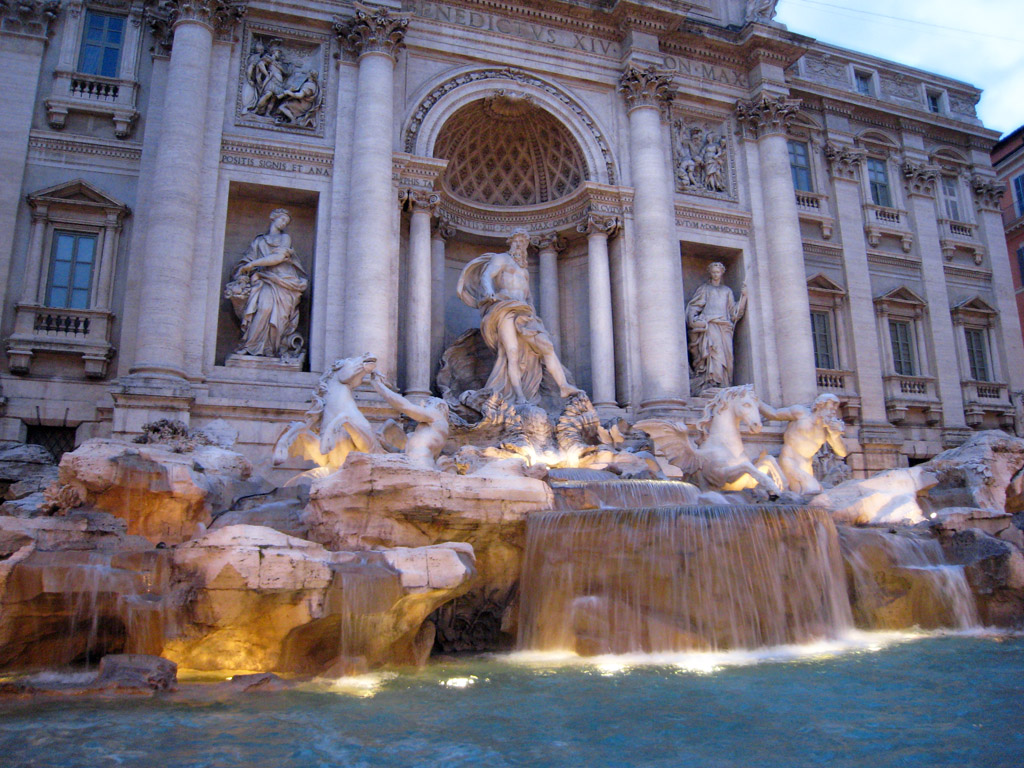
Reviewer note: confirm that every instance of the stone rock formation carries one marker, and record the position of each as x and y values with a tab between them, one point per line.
888	497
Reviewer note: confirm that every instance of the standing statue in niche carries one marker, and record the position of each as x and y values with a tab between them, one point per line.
498	284
810	429
265	291
711	317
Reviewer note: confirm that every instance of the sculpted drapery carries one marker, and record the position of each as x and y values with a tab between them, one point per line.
711	317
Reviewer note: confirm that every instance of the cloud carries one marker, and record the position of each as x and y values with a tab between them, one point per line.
980	42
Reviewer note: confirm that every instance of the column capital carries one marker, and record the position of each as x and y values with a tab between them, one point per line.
29	17
599	224
988	193
767	115
844	161
919	179
549	240
373	29
646	88
419	200
219	15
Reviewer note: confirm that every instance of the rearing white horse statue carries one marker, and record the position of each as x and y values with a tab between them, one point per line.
719	462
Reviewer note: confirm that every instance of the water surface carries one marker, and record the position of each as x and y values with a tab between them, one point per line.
882	701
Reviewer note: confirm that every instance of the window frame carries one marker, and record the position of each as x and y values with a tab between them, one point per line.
79	234
826	334
861	76
1017	183
808	168
978	366
898	362
102	44
951	198
881	164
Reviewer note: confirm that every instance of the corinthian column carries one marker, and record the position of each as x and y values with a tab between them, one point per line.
663	361
442	231
548	246
767	117
602	344
422	206
175	187
374	36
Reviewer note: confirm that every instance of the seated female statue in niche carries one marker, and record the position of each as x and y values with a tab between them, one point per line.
265	290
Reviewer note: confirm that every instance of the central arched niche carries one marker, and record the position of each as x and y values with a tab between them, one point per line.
504	150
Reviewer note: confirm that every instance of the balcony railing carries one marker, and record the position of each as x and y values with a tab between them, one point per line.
881	220
81	333
94	88
92	94
836	381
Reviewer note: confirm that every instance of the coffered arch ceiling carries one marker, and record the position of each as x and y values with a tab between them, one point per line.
505	150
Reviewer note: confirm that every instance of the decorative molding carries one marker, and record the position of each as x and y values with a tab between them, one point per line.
517	76
701	158
57	149
844	162
551	240
708	220
767	115
596	223
419	200
373	29
276	157
919	179
988	193
412	172
648	87
33	18
219	15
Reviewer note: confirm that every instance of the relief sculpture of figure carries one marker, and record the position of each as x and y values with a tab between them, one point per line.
711	317
298	104
265	291
498	284
810	429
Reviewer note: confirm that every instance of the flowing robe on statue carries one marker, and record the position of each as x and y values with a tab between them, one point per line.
271	312
711	346
532	335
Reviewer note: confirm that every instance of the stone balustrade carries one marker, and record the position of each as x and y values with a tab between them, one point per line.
84	333
905	392
96	95
880	221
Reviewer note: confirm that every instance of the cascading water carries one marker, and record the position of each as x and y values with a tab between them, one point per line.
623	494
899	580
681	578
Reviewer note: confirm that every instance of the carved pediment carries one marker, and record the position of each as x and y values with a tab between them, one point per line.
901	301
821	283
77	193
974	309
902	295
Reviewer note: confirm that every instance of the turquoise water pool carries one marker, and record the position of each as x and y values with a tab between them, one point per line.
877	701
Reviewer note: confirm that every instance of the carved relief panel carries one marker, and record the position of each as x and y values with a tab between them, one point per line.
282	80
703	157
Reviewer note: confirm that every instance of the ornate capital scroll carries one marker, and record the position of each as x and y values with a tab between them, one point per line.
373	29
988	193
920	179
443	228
551	240
597	223
843	161
766	116
419	200
646	88
28	17
219	15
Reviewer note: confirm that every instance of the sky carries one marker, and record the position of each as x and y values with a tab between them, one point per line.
980	42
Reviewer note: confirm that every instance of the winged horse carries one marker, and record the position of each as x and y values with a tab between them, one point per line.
718	461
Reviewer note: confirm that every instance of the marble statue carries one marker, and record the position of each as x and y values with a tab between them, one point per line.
265	291
498	284
711	317
280	87
298	104
810	428
719	462
760	10
424	445
700	158
333	426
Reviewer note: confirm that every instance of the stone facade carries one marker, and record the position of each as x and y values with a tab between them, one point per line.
145	144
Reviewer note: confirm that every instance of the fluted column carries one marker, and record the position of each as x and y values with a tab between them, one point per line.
664	366
766	118
374	35
548	246
920	181
598	229
422	206
175	188
441	232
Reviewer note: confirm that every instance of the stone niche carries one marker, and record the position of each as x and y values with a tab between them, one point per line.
696	259
248	212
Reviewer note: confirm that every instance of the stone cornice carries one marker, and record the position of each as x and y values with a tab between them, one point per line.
767	115
33	18
711	220
844	161
919	179
646	88
373	29
412	172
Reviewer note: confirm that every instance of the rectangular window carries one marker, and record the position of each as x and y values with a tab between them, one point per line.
1018	193
902	347
101	44
71	264
977	354
863	81
821	334
934	102
878	179
1020	264
951	198
800	164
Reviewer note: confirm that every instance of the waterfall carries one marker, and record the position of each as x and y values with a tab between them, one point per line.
623	494
901	580
681	578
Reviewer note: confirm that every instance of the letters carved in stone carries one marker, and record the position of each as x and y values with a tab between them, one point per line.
372	30
646	88
767	115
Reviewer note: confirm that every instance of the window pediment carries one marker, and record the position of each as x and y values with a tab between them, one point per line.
78	193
